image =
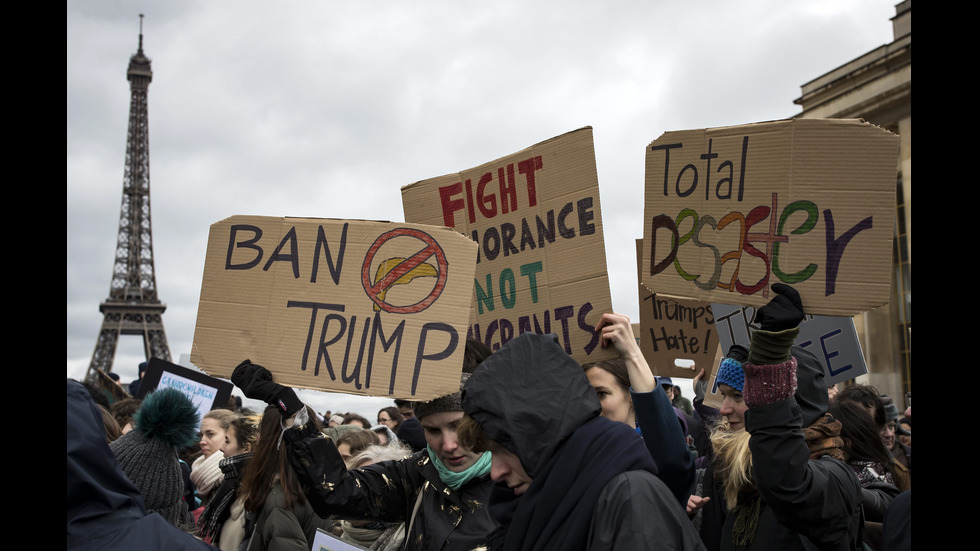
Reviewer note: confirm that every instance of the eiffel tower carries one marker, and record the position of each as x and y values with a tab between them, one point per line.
133	307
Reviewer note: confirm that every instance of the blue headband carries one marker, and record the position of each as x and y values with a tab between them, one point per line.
731	373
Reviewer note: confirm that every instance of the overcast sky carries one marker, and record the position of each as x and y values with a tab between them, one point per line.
326	108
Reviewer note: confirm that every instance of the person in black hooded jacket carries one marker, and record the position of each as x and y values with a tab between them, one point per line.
802	495
105	510
567	478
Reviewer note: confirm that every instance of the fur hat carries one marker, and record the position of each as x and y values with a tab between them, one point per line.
166	422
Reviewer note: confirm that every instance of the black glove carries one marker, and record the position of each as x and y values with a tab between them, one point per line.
738	353
256	382
784	311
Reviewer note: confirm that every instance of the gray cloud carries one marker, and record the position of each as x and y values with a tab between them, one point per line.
327	108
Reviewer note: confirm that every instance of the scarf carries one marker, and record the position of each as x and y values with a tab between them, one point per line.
556	511
823	438
206	473
746	513
217	512
365	535
870	472
453	479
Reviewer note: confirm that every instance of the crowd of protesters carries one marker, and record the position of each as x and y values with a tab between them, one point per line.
533	452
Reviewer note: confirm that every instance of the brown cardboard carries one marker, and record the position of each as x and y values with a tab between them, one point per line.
553	282
713	398
268	293
705	183
675	328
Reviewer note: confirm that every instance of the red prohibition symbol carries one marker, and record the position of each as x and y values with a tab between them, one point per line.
405	268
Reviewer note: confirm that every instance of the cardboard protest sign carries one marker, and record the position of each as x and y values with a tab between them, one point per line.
832	339
112	390
809	202
371	308
541	264
206	393
713	398
674	328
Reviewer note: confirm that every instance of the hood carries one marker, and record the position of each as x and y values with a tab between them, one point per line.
530	396
96	486
811	387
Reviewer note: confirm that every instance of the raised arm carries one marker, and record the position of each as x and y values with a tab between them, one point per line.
654	414
795	446
380	491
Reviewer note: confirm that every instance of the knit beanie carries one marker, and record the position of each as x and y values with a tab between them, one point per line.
449	402
731	372
166	421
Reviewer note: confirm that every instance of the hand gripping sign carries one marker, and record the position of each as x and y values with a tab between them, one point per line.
352	306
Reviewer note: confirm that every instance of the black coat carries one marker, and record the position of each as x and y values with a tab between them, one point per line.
449	520
105	510
594	483
807	504
279	527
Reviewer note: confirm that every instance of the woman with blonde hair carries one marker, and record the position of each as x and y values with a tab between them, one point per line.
777	479
206	471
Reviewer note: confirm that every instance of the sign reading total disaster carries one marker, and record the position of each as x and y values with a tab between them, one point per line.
352	306
808	202
541	264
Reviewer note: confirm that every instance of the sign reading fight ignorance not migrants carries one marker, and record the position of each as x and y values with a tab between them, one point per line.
808	202
353	306
541	264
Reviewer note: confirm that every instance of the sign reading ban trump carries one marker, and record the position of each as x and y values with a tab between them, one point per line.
352	306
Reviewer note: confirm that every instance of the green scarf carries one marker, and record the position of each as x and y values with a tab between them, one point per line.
455	480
